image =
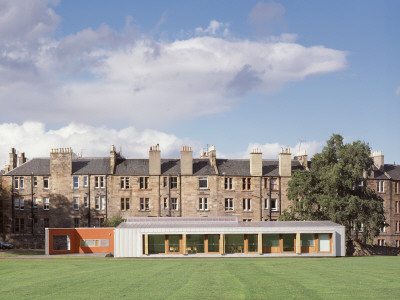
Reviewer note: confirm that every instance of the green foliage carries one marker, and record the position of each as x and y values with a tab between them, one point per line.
335	188
113	221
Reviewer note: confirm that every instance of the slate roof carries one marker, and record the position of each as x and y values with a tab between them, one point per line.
201	166
168	167
80	166
132	166
379	173
296	165
393	171
390	169
241	167
36	166
92	166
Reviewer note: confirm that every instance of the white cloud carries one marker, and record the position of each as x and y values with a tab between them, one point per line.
103	76
272	150
26	20
157	81
33	139
36	141
214	28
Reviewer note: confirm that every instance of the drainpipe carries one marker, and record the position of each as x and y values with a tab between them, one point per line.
169	196
106	197
32	201
280	199
90	212
390	210
159	196
261	206
180	195
12	205
270	195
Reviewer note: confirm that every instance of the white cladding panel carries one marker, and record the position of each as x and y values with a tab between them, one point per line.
339	241
128	241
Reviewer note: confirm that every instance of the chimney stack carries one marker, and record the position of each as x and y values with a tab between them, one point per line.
302	157
113	158
21	159
186	161
155	160
13	159
378	159
212	156
256	162
60	162
285	163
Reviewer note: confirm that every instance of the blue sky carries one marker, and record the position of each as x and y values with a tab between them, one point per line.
235	74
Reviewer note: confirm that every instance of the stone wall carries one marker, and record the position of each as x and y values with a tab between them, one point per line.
25	241
389	195
360	249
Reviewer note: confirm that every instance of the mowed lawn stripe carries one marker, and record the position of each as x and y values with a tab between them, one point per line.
128	278
249	278
211	279
278	279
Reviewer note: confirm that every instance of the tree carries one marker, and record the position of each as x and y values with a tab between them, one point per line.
335	188
113	221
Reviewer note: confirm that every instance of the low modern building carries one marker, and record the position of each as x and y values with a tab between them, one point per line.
225	236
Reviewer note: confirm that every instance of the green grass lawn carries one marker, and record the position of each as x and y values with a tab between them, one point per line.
229	278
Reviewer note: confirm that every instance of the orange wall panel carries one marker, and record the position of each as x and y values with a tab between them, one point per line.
76	234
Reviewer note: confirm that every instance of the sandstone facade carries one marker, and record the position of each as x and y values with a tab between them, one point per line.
66	190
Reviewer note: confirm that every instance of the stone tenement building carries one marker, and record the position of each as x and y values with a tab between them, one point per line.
66	190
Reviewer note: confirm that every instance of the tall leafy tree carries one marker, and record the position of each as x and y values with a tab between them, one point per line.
335	188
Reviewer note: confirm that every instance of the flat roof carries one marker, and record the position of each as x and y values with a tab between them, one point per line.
220	222
181	219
